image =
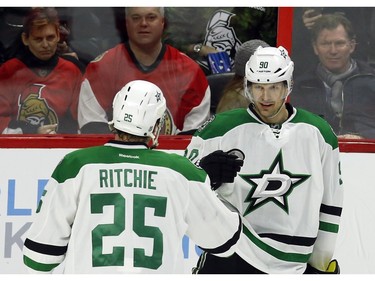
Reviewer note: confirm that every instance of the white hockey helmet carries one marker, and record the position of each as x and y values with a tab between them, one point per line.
137	107
269	65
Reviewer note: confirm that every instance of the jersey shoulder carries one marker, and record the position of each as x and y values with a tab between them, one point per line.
178	164
183	59
11	67
73	162
110	55
72	64
70	165
325	129
221	123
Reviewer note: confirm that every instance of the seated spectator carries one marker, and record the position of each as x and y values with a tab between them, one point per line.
327	89
233	96
11	28
208	30
304	20
38	89
145	57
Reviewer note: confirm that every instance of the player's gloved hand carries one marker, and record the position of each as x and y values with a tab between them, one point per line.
333	268
221	167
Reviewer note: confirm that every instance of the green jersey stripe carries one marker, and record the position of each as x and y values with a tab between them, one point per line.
292	257
39	266
329	227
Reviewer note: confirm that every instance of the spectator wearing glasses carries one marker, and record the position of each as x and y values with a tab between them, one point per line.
339	88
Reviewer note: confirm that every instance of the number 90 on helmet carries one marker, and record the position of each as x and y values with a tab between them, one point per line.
269	65
137	108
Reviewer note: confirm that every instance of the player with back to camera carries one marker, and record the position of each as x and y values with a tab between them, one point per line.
289	190
123	207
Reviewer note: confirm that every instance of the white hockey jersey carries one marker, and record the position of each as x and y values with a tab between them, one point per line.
123	208
289	189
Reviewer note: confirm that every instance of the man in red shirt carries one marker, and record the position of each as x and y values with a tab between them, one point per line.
144	56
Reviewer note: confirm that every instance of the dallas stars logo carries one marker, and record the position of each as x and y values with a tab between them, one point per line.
158	96
283	54
274	184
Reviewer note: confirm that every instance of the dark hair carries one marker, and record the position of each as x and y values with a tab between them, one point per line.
330	22
40	17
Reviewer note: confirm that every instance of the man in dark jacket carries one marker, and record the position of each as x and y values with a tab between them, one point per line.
339	88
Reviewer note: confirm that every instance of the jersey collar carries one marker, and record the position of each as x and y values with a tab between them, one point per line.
127	145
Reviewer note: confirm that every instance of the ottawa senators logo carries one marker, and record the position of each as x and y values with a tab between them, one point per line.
168	126
221	35
35	110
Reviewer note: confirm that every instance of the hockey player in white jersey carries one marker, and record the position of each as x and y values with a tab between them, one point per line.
123	207
289	189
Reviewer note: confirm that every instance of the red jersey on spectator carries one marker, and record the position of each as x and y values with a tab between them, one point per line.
182	81
28	100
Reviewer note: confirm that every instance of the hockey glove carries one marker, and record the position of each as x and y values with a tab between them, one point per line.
333	268
221	167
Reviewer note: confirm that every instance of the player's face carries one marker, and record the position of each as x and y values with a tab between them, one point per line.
334	49
269	101
144	25
42	41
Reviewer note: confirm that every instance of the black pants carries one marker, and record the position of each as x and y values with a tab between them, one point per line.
210	264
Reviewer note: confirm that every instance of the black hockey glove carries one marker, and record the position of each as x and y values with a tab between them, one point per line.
221	167
333	268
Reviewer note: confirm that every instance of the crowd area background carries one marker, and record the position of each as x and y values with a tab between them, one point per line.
91	31
22	181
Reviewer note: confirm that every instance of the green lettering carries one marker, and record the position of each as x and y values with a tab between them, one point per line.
118	176
103	178
137	178
111	178
151	179
126	177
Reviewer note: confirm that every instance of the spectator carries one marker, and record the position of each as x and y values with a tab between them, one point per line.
217	29
304	19
11	28
38	89
123	207
289	189
233	95
327	88
144	56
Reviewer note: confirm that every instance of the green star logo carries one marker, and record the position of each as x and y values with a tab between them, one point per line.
272	185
